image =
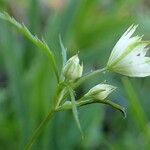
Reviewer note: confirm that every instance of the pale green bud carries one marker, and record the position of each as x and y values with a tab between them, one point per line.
72	69
100	91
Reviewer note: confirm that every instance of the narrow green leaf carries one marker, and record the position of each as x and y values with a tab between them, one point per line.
63	51
74	110
34	39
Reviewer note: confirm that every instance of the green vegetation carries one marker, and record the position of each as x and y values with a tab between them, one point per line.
28	81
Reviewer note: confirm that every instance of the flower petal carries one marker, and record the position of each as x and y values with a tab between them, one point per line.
122	45
139	67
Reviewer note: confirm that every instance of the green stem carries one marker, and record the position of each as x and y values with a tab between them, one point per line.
39	130
108	102
88	76
91	101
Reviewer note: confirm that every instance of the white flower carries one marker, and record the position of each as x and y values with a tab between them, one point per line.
72	69
128	55
100	91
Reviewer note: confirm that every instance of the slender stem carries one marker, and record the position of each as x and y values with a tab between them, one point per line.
39	130
108	102
88	76
56	101
91	101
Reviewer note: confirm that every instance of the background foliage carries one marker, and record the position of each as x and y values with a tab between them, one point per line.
27	83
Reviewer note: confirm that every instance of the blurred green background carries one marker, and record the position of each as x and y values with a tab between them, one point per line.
27	83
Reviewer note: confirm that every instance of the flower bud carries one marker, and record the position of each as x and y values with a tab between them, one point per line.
100	91
72	69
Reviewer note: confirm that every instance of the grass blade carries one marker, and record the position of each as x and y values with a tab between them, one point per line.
34	39
137	110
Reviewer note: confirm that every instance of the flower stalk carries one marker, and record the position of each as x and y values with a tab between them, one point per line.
88	76
68	105
39	129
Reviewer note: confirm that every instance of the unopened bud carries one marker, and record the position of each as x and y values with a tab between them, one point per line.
73	70
100	91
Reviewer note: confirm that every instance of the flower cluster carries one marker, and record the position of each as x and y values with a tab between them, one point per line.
128	57
73	70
